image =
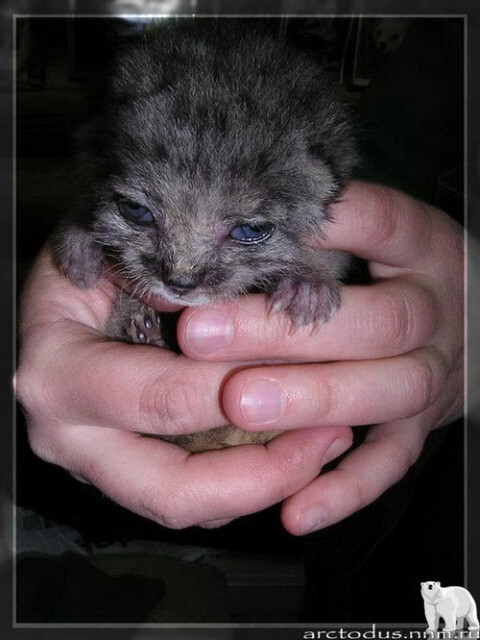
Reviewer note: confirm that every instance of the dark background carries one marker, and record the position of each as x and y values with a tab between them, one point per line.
412	123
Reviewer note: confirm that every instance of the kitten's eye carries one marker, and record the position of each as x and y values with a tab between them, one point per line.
135	212
251	233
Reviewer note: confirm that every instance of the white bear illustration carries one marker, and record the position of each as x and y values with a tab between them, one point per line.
453	604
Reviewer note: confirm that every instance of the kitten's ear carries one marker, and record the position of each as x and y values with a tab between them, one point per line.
76	254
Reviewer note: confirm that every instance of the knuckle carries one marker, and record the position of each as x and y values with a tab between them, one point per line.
425	317
396	319
41	441
171	402
27	388
289	462
405	318
322	398
422	382
405	447
164	506
381	223
44	412
357	492
39	447
407	454
38	409
179	404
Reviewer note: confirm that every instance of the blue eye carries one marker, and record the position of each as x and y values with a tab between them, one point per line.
135	212
251	233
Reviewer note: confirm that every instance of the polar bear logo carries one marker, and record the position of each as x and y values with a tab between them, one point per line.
453	604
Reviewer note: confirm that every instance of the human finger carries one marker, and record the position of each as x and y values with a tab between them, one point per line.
360	478
380	320
389	227
91	380
336	393
164	483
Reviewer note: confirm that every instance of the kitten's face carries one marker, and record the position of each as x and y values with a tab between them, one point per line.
207	163
196	238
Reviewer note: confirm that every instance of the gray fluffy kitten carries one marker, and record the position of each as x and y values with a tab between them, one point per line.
213	155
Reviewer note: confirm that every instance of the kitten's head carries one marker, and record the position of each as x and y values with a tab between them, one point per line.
209	160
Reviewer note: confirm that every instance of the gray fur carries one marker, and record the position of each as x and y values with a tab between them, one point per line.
209	125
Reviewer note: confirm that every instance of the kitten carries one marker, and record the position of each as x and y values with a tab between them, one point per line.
213	155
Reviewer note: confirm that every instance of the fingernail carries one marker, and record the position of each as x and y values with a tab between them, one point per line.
314	519
208	331
262	401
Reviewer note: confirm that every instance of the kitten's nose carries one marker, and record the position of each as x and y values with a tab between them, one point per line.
182	283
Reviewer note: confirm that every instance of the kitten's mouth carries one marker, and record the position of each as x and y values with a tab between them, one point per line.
186	297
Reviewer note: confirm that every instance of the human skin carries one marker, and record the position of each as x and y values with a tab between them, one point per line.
391	357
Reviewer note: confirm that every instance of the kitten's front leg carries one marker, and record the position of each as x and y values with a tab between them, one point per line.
306	302
311	294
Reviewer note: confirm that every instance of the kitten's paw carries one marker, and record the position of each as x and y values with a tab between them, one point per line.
145	326
306	303
134	321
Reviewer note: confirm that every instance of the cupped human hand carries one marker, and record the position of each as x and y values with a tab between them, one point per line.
89	403
392	357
